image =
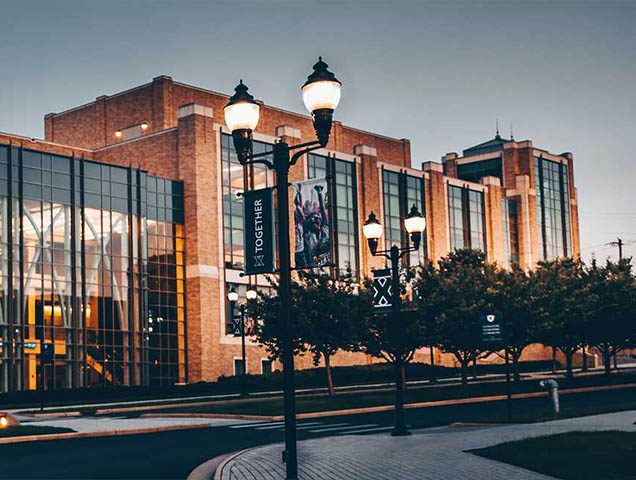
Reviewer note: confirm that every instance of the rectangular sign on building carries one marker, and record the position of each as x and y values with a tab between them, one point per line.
382	290
258	214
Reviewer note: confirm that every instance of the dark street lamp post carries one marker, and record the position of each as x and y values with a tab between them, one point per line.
321	95
233	296
415	224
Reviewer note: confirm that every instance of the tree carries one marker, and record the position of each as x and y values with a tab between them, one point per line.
563	300
463	293
515	299
268	328
611	320
326	315
382	336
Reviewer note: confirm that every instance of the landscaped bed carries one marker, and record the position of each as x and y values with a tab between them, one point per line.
609	455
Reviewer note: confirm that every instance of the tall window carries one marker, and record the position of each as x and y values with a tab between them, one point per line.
401	192
553	208
344	209
510	229
467	220
234	176
88	254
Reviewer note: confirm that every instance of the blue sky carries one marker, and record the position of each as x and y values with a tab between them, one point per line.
563	73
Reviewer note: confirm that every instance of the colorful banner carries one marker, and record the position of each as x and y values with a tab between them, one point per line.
258	213
311	223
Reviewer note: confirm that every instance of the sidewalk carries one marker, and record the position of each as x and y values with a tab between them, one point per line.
427	454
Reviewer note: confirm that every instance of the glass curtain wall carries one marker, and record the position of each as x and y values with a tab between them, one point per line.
341	176
75	273
401	192
553	208
466	218
510	231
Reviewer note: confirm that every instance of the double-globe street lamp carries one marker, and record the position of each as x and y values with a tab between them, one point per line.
321	95
233	297
415	223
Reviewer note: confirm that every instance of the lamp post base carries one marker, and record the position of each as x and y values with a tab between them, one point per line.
400	432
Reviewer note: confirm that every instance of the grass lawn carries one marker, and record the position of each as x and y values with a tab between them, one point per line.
21	430
572	456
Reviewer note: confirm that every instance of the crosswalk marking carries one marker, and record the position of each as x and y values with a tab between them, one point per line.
254	425
366	430
269	427
325	427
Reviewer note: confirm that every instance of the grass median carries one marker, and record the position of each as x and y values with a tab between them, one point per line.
572	456
537	409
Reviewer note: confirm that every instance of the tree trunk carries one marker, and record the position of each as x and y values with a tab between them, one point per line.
568	362
607	360
432	354
464	363
554	361
515	365
615	361
475	366
404	376
584	359
332	391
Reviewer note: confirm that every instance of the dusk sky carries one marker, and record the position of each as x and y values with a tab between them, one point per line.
440	74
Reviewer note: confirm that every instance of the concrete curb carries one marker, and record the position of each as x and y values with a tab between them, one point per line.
219	469
106	433
207	470
385	408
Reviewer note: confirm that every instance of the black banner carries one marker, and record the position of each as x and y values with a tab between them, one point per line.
258	213
382	290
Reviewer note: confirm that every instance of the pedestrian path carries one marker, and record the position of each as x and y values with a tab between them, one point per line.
317	427
427	454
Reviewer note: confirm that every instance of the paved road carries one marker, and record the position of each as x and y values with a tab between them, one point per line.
175	454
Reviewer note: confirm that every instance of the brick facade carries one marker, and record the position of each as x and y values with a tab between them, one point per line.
180	139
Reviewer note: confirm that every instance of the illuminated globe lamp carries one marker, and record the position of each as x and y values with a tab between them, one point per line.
232	295
321	95
241	116
415	223
372	230
251	294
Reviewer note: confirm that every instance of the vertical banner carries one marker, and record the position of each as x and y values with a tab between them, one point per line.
311	224
382	294
258	214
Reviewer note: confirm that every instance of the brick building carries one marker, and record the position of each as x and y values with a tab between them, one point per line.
123	232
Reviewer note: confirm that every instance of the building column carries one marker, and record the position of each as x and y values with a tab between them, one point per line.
494	221
198	168
369	200
437	232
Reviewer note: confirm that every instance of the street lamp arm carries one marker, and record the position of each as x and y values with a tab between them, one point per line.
297	155
401	252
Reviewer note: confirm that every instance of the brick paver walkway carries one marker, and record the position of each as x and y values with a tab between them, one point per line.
437	453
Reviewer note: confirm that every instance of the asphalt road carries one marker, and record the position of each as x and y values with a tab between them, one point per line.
173	455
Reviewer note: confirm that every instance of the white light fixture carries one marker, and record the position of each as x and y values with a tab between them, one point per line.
232	295
242	111
251	294
414	221
372	229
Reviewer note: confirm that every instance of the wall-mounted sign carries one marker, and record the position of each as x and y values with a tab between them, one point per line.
382	290
258	213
